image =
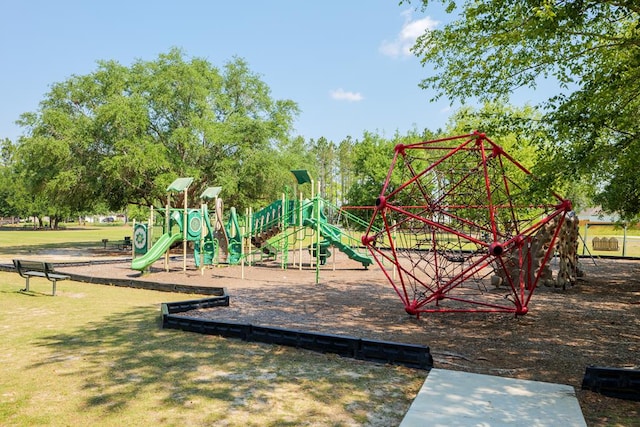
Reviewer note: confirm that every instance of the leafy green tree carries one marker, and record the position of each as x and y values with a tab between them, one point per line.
592	50
295	154
345	167
510	128
16	197
506	125
325	153
7	180
372	157
120	135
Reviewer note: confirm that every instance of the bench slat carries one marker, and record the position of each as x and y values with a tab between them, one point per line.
59	276
35	273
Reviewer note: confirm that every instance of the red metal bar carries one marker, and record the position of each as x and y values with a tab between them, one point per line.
461	173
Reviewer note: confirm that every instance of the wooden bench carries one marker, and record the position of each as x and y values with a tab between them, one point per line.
605	244
28	269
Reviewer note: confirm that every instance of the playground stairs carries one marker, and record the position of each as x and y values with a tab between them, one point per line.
259	239
269	250
270	221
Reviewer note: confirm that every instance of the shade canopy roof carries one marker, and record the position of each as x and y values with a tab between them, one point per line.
180	184
302	176
210	193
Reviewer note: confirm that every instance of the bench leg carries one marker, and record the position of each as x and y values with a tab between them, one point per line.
54	288
27	288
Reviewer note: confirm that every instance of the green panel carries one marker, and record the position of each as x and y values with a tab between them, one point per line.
140	237
180	184
176	218
210	193
208	252
302	176
267	218
194	222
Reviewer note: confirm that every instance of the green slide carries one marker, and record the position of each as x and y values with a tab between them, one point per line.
332	234
208	250
164	242
235	238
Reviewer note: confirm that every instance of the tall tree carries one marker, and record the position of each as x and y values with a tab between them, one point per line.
121	134
8	186
372	157
325	152
591	48
516	130
506	125
345	167
296	154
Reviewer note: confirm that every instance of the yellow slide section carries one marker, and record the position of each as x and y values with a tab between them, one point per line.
164	242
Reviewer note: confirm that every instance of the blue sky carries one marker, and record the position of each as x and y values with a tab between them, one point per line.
345	62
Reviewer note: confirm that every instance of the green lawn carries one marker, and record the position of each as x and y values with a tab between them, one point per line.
96	355
628	241
26	236
19	241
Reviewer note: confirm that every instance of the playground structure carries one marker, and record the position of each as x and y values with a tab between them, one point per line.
466	230
284	229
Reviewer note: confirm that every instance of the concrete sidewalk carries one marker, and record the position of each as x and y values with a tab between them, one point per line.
451	398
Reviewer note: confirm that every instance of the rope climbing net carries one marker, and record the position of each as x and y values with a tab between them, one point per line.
463	228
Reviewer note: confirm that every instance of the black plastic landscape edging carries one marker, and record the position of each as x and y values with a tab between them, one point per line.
143	284
132	283
613	382
410	355
149	285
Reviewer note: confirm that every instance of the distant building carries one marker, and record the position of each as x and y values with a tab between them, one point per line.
597	215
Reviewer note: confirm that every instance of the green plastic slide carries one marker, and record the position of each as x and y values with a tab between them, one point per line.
235	238
164	242
209	247
333	234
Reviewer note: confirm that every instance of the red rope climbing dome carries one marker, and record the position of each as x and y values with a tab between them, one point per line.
459	227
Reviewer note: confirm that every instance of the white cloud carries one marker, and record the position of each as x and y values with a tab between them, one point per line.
343	95
406	38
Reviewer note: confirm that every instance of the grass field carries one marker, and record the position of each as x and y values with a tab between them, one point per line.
628	240
96	355
16	242
77	235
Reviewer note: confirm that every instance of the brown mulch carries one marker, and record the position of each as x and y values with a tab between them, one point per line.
596	322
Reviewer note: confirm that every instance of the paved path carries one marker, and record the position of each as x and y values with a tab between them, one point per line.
452	398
